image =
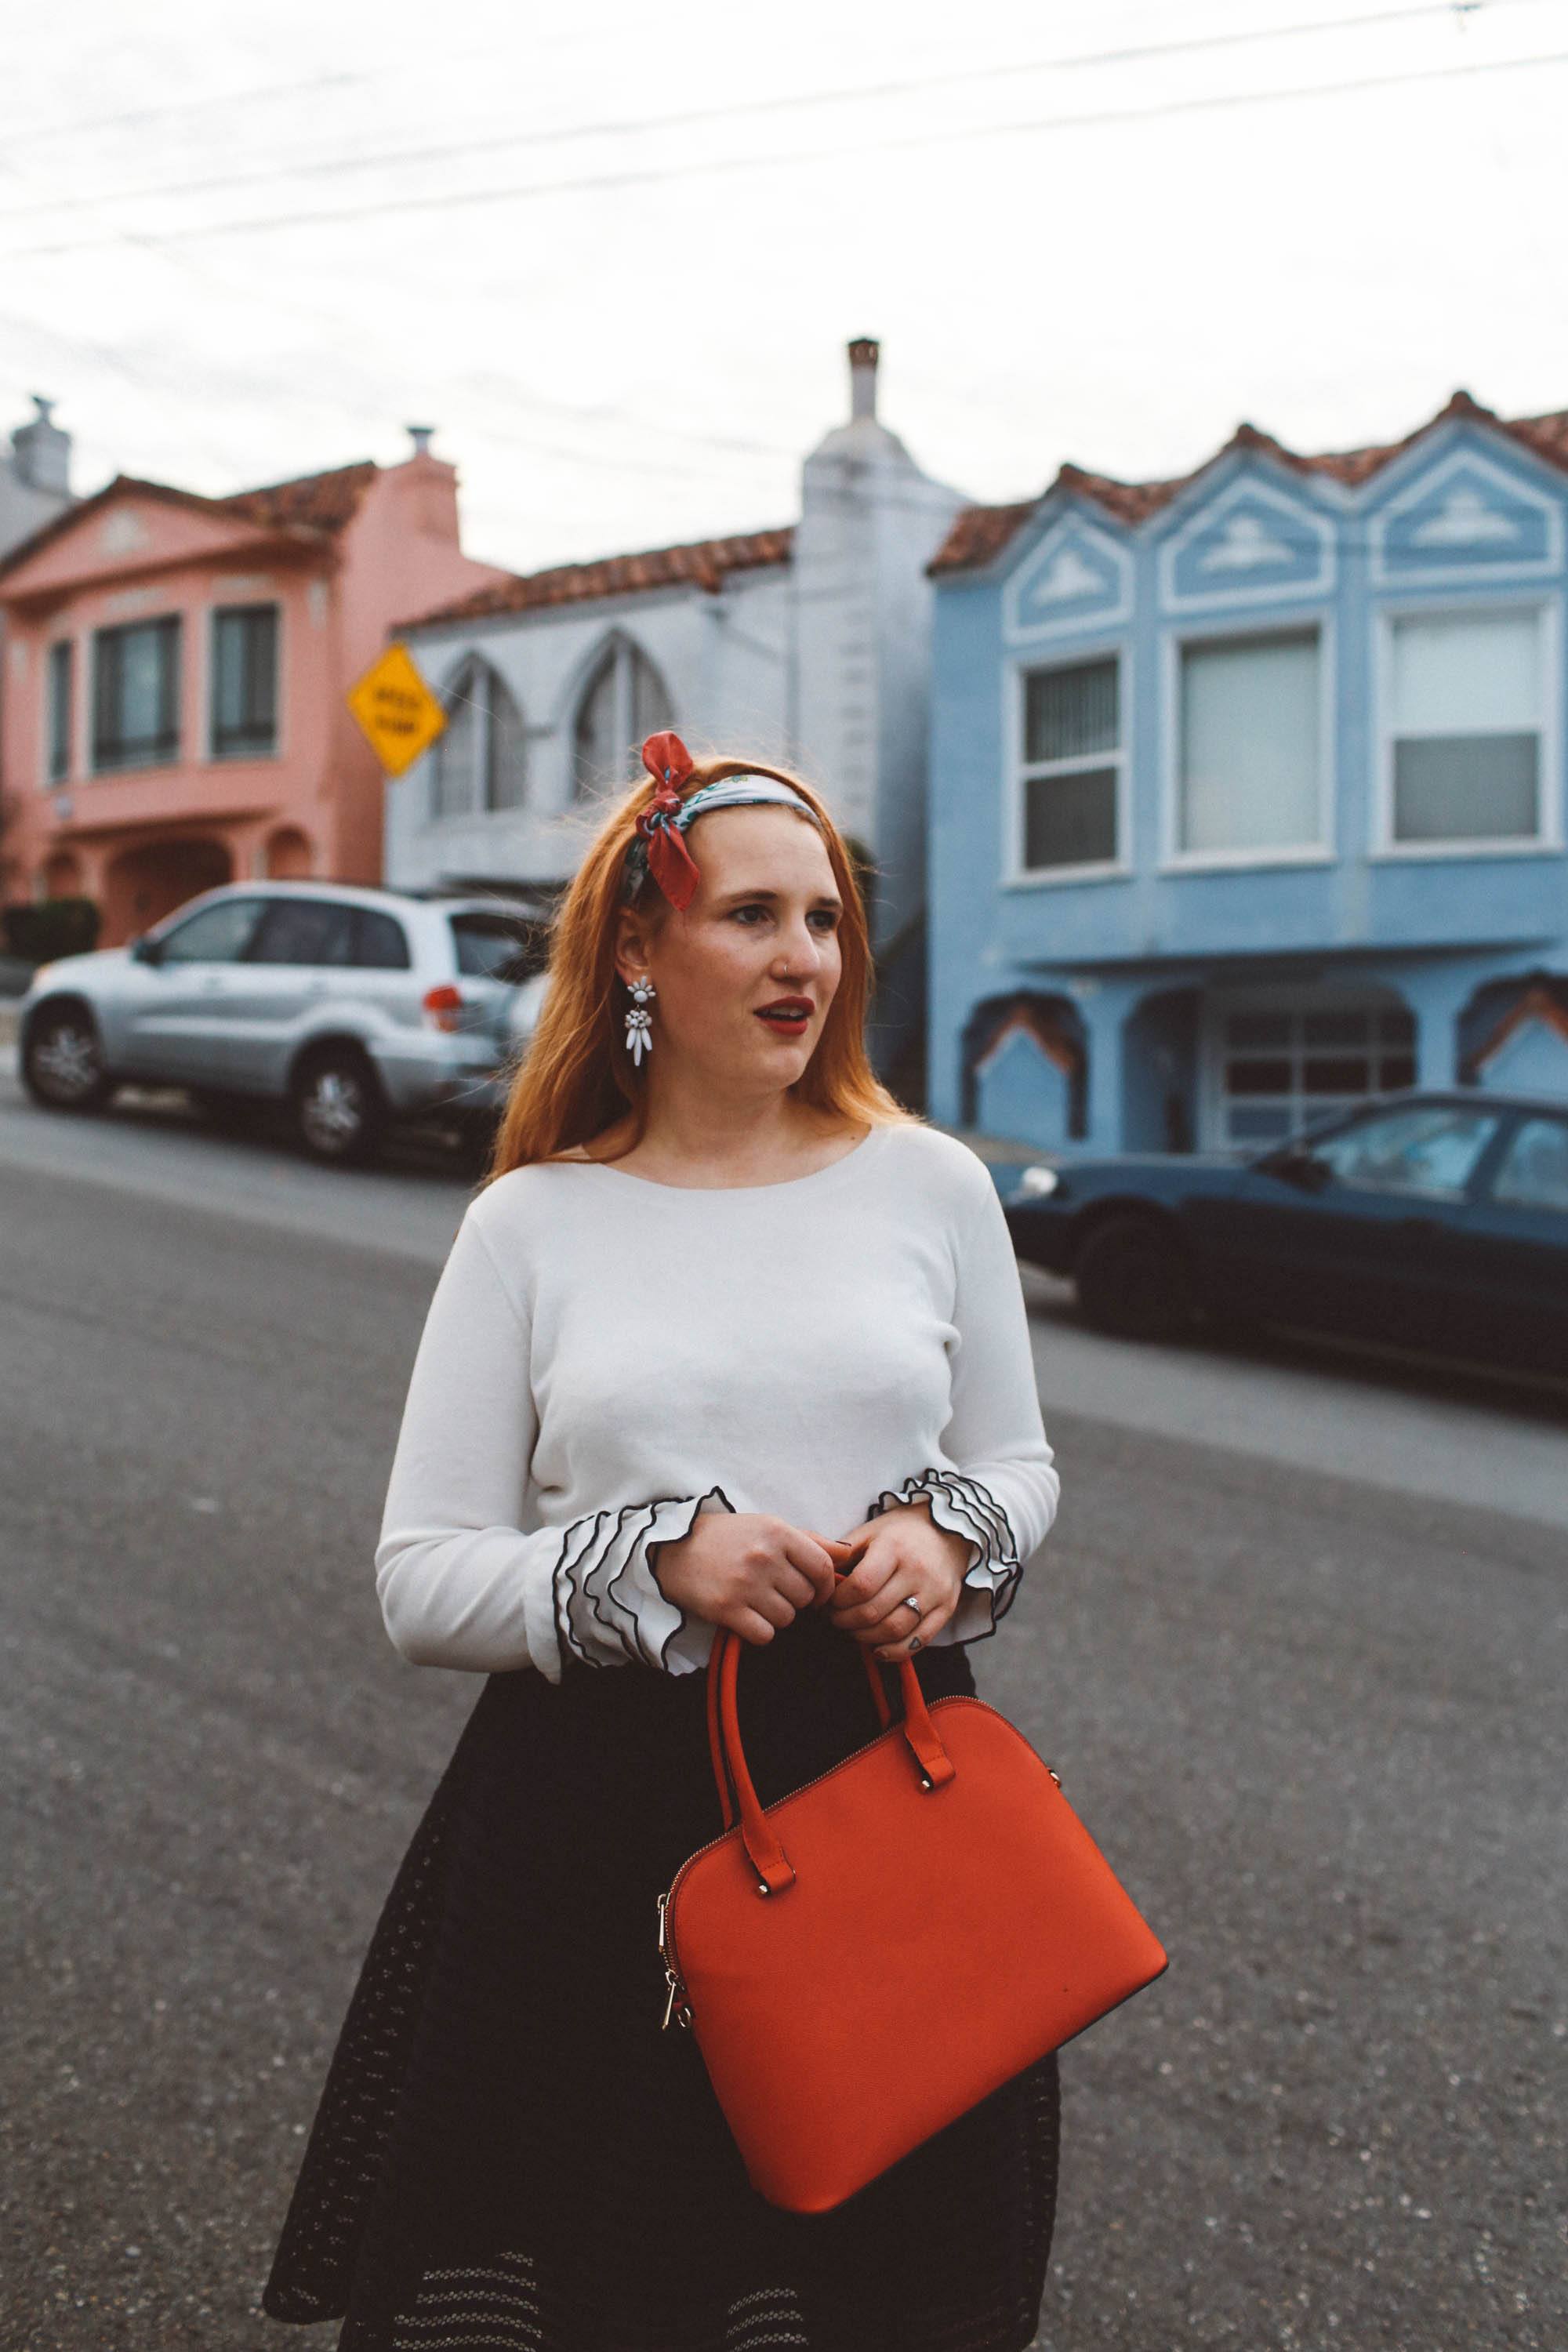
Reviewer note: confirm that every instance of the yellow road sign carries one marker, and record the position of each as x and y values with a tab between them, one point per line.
398	713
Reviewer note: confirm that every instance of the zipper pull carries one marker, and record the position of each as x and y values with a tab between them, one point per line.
676	2002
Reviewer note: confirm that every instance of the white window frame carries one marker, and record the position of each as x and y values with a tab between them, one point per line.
1548	611
1015	874
1174	859
211	755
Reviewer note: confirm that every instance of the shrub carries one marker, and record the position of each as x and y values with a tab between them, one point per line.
41	929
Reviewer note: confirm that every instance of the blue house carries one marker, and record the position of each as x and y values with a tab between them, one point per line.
1247	789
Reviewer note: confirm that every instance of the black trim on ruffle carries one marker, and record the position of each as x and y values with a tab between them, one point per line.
964	1507
585	1544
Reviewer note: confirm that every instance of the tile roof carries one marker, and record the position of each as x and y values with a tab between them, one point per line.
312	502
980	533
702	563
325	501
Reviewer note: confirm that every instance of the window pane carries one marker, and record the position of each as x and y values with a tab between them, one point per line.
1335	1028
1070	714
60	710
1258	1029
593	745
455	772
217	934
508	773
486	947
1258	1077
1396	1070
1458	675
1534	1172
245	685
305	931
1336	1074
381	942
1249	744
1430	1152
1465	787
136	694
650	703
1071	820
1256	1124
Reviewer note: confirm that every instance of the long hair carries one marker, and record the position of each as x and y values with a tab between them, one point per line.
576	1076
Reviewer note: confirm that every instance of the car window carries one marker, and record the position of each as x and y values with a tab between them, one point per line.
488	948
1534	1169
1431	1150
217	934
305	931
381	942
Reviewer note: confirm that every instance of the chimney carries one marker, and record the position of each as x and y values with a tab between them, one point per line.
420	436
863	356
42	452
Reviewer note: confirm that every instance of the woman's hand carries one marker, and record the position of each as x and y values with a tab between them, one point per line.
903	1552
747	1570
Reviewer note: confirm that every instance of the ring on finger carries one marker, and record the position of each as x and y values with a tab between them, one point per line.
909	1602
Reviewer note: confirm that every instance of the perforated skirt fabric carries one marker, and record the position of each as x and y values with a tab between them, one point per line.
510	2156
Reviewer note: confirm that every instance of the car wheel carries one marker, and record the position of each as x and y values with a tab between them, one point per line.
1132	1280
62	1065
339	1114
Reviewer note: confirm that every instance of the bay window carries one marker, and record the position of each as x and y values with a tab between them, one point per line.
136	695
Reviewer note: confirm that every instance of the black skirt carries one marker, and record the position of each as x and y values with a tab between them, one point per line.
509	2152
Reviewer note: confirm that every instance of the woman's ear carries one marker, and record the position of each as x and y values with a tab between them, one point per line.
631	947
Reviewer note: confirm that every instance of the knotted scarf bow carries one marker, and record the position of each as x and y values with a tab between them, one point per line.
669	861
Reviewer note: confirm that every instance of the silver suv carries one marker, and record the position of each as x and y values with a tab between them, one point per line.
354	1007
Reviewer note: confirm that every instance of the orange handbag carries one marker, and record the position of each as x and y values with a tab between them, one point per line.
937	1873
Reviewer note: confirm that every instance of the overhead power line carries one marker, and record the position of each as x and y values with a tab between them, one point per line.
46	133
388	158
716	166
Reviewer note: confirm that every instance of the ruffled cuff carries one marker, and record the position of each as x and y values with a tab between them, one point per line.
964	1508
609	1609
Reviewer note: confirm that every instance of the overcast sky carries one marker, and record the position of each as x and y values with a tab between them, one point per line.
613	253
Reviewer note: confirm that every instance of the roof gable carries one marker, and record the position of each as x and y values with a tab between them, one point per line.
132	523
980	535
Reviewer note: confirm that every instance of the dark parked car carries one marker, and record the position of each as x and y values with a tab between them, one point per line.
1431	1220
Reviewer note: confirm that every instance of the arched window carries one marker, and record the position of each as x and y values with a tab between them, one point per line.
623	702
479	763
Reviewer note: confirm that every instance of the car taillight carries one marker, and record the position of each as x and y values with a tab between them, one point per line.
444	1006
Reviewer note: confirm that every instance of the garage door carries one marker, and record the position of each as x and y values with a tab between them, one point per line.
1277	1066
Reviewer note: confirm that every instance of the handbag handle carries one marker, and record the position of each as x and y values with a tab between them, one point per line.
767	1856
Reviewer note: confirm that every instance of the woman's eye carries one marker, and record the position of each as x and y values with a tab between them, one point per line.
824	916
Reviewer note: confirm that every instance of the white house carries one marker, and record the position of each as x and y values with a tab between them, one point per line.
807	645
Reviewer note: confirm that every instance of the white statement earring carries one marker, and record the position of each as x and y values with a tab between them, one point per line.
640	1021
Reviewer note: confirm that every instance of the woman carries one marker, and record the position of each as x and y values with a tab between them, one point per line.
724	1322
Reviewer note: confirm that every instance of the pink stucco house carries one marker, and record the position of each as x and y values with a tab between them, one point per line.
173	713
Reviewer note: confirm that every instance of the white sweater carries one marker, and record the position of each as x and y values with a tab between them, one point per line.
606	1356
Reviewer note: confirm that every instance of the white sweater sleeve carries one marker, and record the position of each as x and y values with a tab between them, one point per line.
996	1482
458	1581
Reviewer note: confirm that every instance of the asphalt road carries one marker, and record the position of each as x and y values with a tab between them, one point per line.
1295	1645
